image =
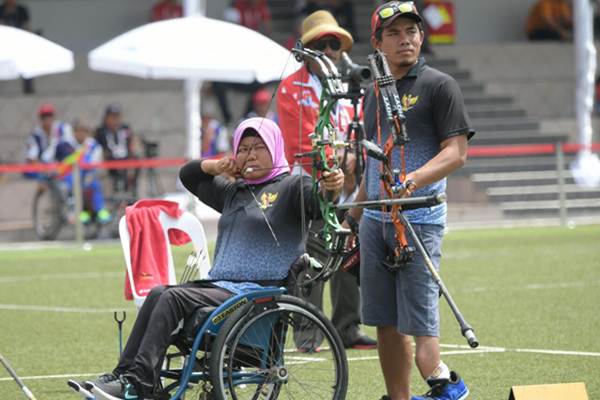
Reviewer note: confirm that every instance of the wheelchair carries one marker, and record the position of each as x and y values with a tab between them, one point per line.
244	349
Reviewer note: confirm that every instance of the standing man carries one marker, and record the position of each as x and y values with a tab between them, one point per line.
403	302
298	99
118	143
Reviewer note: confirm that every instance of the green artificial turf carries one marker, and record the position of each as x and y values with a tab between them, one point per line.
534	289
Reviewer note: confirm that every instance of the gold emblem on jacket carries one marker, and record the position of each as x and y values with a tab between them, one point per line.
408	101
267	200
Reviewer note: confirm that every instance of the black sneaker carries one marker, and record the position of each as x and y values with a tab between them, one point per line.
354	338
115	389
102	379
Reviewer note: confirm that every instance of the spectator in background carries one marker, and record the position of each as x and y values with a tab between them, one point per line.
17	16
550	20
253	14
215	137
261	102
166	9
298	98
46	140
342	10
86	150
118	143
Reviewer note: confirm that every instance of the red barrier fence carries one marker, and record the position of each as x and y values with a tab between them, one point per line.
526	149
112	164
473	151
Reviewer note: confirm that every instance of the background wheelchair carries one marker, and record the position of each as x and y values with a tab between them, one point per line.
244	349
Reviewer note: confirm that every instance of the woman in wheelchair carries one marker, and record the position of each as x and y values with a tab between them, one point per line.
260	236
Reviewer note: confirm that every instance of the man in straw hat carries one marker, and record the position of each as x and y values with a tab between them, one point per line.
298	109
403	301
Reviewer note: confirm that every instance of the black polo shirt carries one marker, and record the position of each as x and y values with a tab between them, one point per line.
435	111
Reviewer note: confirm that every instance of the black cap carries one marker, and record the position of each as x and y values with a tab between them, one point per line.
112	109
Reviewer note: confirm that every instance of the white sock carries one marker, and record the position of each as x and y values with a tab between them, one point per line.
441	372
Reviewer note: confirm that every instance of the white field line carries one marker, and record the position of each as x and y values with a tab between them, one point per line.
34	308
559	352
59	244
62	376
59	276
24	307
302	360
443	353
534	286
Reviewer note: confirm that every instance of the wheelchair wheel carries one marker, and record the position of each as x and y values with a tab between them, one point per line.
47	210
254	356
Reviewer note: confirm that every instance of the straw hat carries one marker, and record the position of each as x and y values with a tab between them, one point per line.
321	23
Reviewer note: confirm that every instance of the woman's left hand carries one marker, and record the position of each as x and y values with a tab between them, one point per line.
333	181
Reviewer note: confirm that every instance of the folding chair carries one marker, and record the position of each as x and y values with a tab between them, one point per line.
187	223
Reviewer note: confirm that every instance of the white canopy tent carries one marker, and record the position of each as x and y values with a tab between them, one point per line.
194	48
26	55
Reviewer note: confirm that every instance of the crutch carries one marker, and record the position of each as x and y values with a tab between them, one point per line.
465	328
14	375
418	202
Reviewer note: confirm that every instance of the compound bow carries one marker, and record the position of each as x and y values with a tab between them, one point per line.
325	144
393	180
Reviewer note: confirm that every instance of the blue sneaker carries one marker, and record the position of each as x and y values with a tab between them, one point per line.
443	389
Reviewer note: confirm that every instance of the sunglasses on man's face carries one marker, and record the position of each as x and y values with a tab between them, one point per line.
333	43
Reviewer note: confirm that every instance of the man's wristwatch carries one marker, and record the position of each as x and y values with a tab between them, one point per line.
351	222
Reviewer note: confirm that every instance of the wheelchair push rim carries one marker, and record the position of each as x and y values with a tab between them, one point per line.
255	357
47	211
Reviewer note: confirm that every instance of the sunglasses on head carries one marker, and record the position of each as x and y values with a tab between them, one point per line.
396	8
333	43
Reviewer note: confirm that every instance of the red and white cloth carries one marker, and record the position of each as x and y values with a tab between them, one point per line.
148	247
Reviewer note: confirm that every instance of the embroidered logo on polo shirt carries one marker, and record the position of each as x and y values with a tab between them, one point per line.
409	101
267	200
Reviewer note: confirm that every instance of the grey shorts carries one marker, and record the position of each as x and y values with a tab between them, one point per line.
408	298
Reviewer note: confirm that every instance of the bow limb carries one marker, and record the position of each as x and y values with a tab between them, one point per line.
392	179
324	146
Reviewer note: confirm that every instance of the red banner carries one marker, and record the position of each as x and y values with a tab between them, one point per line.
439	16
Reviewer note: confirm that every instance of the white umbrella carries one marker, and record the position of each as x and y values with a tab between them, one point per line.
194	48
23	54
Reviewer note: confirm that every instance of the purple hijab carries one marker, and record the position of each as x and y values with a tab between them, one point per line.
270	133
